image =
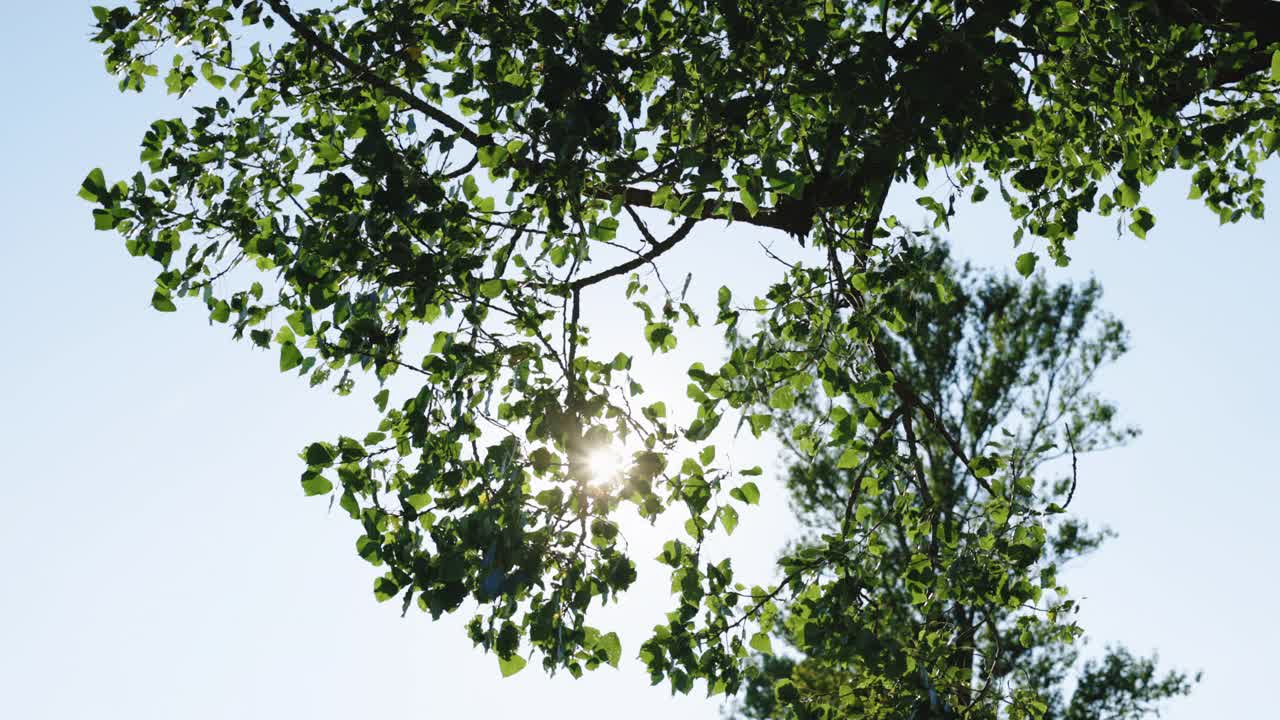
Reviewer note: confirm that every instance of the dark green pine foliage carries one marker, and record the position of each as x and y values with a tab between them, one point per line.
413	191
1008	364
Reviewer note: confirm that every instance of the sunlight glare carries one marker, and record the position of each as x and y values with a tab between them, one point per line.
606	465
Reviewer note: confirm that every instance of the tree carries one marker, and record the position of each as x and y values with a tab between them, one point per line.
417	188
1007	364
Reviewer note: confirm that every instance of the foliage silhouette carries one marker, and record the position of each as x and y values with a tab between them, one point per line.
416	189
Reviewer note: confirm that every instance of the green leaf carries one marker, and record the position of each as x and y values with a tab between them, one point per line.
612	647
783	398
1275	66
760	642
103	219
161	301
1129	195
1143	221
1068	15
786	691
290	357
1031	179
319	454
541	460
728	518
316	484
747	493
511	665
759	423
214	79
491	289
661	337
848	459
94	186
707	456
384	588
1026	264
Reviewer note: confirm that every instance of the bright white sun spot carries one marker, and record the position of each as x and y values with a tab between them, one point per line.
606	465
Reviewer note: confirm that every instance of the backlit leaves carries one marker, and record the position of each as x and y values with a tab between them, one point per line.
512	665
418	203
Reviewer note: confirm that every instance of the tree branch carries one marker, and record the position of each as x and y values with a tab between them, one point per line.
852	500
657	249
909	397
783	217
1071	441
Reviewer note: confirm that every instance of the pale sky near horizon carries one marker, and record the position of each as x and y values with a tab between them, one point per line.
158	559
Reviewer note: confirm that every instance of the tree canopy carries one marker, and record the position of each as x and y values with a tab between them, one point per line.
1010	364
417	189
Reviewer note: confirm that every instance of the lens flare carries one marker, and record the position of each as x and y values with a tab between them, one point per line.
606	466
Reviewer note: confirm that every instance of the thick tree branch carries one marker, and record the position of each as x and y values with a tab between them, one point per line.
1259	17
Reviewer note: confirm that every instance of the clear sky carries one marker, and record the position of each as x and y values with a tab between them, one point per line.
158	559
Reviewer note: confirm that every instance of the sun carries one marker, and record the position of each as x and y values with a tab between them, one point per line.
605	465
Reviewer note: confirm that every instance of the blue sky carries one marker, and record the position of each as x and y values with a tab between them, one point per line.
158	559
